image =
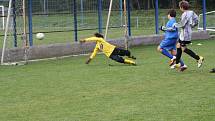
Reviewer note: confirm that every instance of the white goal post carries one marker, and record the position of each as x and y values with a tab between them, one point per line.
6	55
2	16
210	21
6	32
127	38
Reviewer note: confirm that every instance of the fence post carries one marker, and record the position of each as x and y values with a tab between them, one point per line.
14	23
129	17
204	14
45	7
100	15
30	27
121	12
156	17
82	13
75	20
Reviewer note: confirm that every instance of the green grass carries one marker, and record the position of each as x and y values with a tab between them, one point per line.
69	90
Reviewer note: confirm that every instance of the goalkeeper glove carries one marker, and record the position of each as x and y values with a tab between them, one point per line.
88	61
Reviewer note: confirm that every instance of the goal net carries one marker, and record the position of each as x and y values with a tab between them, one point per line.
2	17
117	23
14	35
210	18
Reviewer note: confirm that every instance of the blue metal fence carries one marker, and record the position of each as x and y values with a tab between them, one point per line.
79	13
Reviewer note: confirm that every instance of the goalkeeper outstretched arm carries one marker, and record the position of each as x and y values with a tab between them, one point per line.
91	39
96	49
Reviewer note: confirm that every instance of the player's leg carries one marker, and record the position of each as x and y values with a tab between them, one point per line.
164	52
191	53
184	48
164	46
174	52
178	56
199	59
212	70
119	59
179	51
183	67
172	61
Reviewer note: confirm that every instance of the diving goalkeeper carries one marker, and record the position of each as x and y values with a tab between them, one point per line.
109	50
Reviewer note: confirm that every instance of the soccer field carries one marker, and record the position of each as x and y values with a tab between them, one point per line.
69	90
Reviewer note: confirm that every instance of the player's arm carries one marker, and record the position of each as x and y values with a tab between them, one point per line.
171	29
195	20
95	51
91	39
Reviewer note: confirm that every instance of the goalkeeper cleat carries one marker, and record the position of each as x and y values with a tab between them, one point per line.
172	61
134	64
183	68
129	62
200	61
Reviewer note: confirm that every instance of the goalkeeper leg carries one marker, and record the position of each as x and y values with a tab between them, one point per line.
122	52
119	59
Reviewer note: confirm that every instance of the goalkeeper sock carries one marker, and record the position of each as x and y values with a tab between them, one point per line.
191	53
126	61
166	53
178	55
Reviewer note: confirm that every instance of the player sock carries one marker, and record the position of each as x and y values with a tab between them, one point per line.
212	70
178	55
191	53
181	62
129	62
166	53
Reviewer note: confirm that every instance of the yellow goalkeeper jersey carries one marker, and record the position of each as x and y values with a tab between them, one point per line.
101	45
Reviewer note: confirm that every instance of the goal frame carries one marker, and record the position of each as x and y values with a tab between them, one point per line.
207	28
24	35
125	26
3	16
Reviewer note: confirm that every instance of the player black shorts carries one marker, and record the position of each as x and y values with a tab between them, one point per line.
118	53
184	43
121	52
117	58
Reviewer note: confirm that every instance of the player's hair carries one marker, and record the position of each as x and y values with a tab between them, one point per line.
98	35
172	13
184	4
